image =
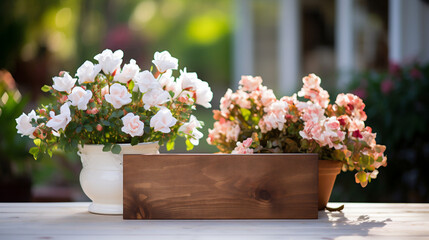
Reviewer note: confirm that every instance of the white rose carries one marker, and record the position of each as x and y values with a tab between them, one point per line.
204	94
162	121
80	98
132	125
146	81
166	78
23	124
155	97
129	71
64	83
109	61
61	120
189	81
190	129
87	72
118	96
164	61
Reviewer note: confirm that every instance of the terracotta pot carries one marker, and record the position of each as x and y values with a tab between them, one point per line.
328	171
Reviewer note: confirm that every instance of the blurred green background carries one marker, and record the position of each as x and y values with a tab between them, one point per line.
40	38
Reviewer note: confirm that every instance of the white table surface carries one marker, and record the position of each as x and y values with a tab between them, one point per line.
72	221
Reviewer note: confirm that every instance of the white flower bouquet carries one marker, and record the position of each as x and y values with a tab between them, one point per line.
106	104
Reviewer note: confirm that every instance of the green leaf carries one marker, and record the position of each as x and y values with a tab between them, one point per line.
131	86
107	147
134	141
37	142
171	94
105	123
79	129
246	113
116	149
362	176
88	127
189	145
170	145
46	88
119	113
34	151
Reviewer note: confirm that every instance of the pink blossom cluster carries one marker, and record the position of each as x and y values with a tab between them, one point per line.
312	90
335	131
243	148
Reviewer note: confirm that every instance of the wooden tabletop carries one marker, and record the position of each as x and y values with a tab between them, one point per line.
72	221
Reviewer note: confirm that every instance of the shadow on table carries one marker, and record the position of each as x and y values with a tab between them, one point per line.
356	226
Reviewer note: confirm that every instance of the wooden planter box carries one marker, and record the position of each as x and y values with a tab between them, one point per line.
220	186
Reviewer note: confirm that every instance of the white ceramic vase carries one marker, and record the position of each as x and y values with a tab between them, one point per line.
101	176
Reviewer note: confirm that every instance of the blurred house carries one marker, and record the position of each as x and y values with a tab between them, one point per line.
285	40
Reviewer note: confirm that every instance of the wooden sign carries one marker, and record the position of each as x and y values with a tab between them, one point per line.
220	186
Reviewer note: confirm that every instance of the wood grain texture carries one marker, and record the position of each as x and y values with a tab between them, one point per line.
220	186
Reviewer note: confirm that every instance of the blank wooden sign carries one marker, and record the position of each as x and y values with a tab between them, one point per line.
220	186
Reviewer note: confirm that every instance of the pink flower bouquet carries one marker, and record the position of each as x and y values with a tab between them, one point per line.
253	120
106	104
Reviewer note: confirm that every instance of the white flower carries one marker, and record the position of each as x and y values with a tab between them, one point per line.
64	83
189	81
23	124
61	120
155	97
166	78
132	125
87	72
190	129
164	61
204	94
129	71
109	61
118	96
80	98
162	121
167	82
146	81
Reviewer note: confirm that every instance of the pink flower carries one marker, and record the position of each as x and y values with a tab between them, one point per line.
386	86
311	112
119	96
415	73
312	81
225	101
163	121
105	90
275	117
232	131
249	83
241	98
352	104
243	148
267	96
132	125
312	90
